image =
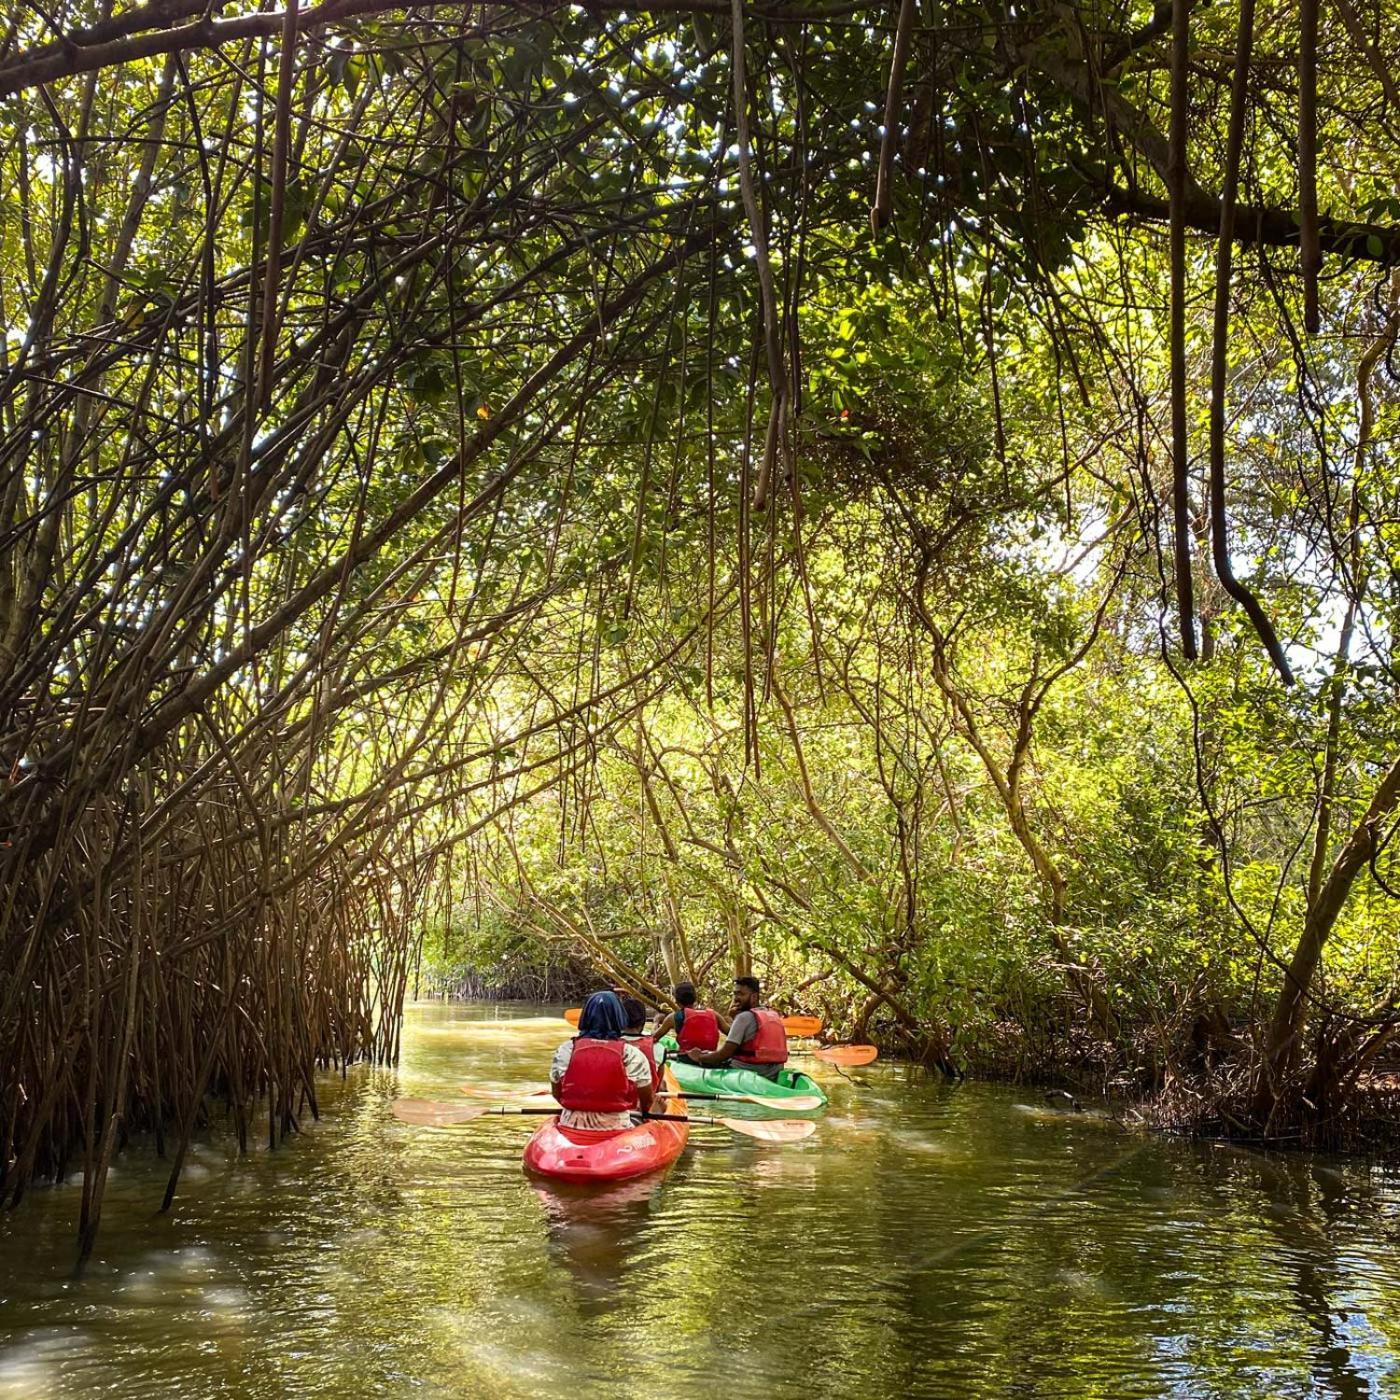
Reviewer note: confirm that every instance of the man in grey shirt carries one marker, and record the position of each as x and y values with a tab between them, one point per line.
755	1039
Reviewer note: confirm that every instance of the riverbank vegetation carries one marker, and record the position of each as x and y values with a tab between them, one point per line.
899	499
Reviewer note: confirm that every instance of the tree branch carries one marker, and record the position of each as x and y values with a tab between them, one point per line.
147	31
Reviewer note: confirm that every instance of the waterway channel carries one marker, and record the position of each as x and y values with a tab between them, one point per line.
934	1240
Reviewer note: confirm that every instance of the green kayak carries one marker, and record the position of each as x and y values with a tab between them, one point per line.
735	1079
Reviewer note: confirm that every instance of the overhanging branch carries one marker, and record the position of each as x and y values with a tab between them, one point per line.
1256	226
147	32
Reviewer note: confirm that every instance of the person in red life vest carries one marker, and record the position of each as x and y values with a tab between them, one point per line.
634	1033
695	1027
599	1079
756	1038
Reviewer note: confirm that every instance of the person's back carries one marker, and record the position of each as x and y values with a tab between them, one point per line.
696	1027
756	1038
598	1078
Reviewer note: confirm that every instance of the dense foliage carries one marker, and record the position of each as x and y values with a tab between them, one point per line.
624	478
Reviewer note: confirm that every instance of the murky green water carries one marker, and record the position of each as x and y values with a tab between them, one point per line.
927	1241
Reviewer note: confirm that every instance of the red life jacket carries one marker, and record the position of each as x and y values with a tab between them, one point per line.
768	1046
596	1080
698	1030
647	1046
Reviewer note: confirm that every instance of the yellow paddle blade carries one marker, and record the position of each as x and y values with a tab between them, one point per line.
801	1103
802	1025
432	1113
848	1054
572	1015
771	1129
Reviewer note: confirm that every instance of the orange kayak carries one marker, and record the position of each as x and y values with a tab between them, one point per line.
592	1155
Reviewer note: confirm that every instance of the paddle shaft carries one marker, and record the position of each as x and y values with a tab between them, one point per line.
719	1098
649	1117
726	1098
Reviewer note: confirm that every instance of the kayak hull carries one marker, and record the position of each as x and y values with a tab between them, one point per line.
592	1157
735	1079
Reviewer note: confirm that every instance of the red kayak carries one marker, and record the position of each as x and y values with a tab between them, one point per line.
591	1155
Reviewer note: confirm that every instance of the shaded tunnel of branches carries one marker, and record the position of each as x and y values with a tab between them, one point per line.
397	400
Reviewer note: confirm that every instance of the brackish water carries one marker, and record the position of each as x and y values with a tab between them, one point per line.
928	1240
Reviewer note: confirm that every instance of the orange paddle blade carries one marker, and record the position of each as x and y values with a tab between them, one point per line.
572	1015
771	1129
848	1054
431	1113
802	1025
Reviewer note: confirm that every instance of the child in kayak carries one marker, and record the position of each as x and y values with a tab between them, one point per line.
756	1038
634	1033
599	1079
695	1027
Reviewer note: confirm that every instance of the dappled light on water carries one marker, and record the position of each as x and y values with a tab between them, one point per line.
927	1239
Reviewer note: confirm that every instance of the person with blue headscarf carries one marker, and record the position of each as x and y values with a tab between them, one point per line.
599	1079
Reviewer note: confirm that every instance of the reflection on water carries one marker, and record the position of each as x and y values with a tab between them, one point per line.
593	1233
929	1240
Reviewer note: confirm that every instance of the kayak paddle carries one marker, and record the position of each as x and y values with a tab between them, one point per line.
432	1114
573	1014
765	1129
797	1103
847	1054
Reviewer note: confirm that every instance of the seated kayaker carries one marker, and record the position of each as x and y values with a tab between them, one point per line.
634	1033
695	1027
756	1039
598	1078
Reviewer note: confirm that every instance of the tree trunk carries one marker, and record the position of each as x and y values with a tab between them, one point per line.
1290	1011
